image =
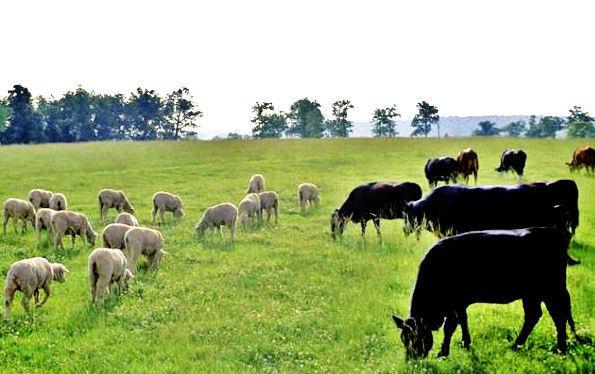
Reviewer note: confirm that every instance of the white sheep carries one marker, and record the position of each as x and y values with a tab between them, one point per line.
127	219
66	221
249	209
143	241
28	276
166	202
18	209
269	201
224	214
40	198
256	184
113	199
58	202
107	267
308	193
43	221
113	235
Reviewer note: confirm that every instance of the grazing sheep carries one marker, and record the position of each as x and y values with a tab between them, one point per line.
143	241
224	214
28	276
65	221
58	202
18	209
113	235
166	202
107	267
269	201
40	198
113	199
43	219
256	184
308	193
249	209
127	219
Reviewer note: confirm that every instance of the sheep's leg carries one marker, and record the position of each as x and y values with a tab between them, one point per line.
153	213
24	227
84	237
269	212
5	223
102	284
46	291
450	325
103	212
14	225
532	308
363	225
276	210
58	240
8	298
36	296
161	216
462	317
475	177
25	301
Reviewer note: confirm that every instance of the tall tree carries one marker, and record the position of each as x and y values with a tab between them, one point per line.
267	123
546	127
486	128
147	115
580	124
111	117
515	128
181	115
306	118
78	117
23	124
383	122
426	117
340	126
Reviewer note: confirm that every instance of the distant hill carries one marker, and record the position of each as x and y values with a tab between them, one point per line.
453	126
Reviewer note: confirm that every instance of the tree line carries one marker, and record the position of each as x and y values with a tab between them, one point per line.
82	115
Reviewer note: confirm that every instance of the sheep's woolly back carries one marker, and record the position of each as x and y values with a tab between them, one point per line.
257	184
268	199
40	198
113	235
58	202
220	214
249	205
127	219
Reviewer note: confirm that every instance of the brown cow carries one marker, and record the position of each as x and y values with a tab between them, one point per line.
584	156
468	163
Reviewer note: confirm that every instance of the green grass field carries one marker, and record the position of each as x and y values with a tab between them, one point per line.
285	297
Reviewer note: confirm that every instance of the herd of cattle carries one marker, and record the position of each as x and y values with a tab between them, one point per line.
500	244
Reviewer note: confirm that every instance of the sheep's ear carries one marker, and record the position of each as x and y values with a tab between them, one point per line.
399	322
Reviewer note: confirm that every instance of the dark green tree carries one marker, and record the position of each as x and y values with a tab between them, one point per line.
146	113
383	122
546	127
486	128
77	116
340	126
23	125
515	128
111	117
580	124
181	115
426	117
268	124
306	119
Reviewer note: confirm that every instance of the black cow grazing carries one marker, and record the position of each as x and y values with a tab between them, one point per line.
374	201
513	159
493	266
584	156
441	169
468	164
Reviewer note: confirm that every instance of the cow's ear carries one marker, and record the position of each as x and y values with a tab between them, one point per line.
399	322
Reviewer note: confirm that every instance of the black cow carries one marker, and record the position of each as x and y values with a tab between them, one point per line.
513	159
441	169
493	266
374	201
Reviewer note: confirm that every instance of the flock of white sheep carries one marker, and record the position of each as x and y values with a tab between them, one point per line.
124	241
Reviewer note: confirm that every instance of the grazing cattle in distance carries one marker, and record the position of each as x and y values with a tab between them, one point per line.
583	157
492	266
513	159
373	201
468	164
441	169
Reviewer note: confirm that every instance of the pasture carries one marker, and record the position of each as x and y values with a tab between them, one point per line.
284	297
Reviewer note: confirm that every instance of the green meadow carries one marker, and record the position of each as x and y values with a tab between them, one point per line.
285	297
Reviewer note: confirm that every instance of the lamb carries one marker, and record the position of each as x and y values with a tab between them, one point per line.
143	241
308	193
249	209
166	202
107	267
224	214
269	201
40	198
58	202
127	219
28	276
256	184
113	199
113	235
65	221
43	219
18	209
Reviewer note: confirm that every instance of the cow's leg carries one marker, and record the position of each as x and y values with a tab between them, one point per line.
558	309
450	325
363	224
377	226
462	318
572	261
532	308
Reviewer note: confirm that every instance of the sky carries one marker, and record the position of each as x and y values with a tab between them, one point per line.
466	57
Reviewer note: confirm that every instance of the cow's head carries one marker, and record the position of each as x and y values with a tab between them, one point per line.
337	223
411	222
571	165
416	337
